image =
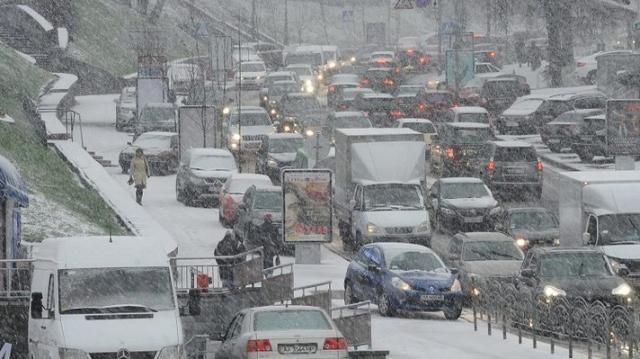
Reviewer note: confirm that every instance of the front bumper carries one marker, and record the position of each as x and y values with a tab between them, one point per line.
417	300
203	192
482	221
250	82
416	238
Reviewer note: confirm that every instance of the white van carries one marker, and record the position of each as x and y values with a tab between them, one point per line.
101	297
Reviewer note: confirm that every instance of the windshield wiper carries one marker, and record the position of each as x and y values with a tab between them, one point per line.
129	308
82	310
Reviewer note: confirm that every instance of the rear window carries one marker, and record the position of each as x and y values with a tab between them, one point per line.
500	89
439	97
290	320
515	154
471	135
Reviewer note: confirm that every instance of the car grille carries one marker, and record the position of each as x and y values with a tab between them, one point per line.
132	355
471	212
215	180
398	230
252	137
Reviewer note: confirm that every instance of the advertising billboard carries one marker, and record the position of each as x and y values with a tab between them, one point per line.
623	127
459	67
308	205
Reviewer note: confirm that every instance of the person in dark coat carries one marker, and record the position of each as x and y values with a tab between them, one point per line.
230	245
535	56
521	55
268	239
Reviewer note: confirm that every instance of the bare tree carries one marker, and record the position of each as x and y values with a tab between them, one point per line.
157	11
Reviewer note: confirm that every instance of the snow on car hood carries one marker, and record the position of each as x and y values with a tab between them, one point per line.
482	202
254	130
253	74
428	281
518	111
622	251
213	174
492	268
537	235
110	335
397	218
283	157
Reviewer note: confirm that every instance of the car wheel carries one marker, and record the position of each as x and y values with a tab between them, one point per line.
585	155
179	194
591	77
554	148
349	297
384	305
453	312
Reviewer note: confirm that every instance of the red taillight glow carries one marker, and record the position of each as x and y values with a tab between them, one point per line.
335	344
396	113
423	60
388	81
381	61
421	107
492	54
539	165
491	165
364	81
450	152
397	70
260	345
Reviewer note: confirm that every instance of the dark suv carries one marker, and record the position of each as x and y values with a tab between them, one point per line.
592	138
461	149
498	94
278	151
564	130
513	166
257	203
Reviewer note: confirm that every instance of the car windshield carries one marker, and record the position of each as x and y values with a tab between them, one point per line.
308	59
408	90
252	67
377	104
352	122
533	221
392	196
413	261
515	154
302	104
212	162
422	127
301	71
240	185
572	265
472	135
108	290
281	90
491	251
281	320
463	190
438	97
270	200
348	94
619	228
250	119
147	140
527	105
474	117
158	114
285	145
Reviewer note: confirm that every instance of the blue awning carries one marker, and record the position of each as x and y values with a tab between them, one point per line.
11	184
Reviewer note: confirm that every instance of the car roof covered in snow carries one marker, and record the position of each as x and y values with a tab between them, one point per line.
284	135
413	120
469	109
102	252
467	125
399	246
527	210
252	109
374	95
279	73
210	152
158	134
377	131
484	236
572	95
341	114
248	176
460	180
268	188
511	144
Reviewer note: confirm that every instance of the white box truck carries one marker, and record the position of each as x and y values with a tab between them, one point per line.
602	209
103	297
380	186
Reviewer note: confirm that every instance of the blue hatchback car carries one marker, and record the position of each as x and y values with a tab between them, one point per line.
403	276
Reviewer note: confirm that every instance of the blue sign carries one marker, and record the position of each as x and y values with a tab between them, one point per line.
449	27
423	3
347	15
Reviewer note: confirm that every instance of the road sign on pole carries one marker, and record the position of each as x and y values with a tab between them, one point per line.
422	3
404	5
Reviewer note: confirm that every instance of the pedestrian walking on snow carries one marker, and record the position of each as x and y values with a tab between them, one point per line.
139	172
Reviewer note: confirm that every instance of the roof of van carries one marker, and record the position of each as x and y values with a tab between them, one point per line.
102	252
612	198
601	177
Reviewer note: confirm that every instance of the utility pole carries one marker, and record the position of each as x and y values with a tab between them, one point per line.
388	30
286	22
239	103
489	12
254	22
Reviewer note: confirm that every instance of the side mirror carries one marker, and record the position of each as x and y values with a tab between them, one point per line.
373	268
193	303
36	305
129	143
586	238
352	203
454	271
528	273
454	257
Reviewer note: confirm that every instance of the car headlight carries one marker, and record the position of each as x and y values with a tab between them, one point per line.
495	211
372	228
332	64
309	133
456	286
171	352
273	111
551	291
423	227
475	292
521	242
448	211
68	353
556	242
320	76
286	128
353	59
272	163
234	146
400	284
623	290
225	111
258	77
265	98
309	89
235	137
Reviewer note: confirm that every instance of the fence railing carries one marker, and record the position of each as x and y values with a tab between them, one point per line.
609	327
354	322
15	278
70	119
317	295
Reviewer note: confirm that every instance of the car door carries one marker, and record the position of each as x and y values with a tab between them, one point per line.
366	278
237	346
225	351
528	284
42	326
358	266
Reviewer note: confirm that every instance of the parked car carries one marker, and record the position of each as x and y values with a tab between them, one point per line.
403	276
483	255
257	203
282	331
126	108
592	138
255	123
513	168
160	149
277	152
156	117
201	175
461	149
344	100
273	77
564	130
250	74
423	126
380	79
377	106
337	84
530	227
232	192
433	104
461	204
587	66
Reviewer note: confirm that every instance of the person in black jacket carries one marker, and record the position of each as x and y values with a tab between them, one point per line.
230	245
269	240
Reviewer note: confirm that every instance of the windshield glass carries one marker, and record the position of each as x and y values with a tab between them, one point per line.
619	228
308	59
392	196
240	185
157	114
472	135
212	162
290	320
413	261
422	127
252	67
533	221
281	90
491	251
563	265
97	289
301	71
515	154
463	190
474	117
302	104
152	141
270	200
288	145
251	119
352	122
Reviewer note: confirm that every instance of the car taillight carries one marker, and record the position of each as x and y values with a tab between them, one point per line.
364	81
409	51
381	61
423	60
539	165
397	70
388	81
491	165
421	107
450	152
260	345
335	344
492	54
581	64
396	113
332	89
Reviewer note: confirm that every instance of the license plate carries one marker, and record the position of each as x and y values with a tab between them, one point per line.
515	170
213	189
473	219
432	297
511	124
297	348
554	140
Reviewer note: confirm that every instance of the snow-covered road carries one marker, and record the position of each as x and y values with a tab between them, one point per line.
197	232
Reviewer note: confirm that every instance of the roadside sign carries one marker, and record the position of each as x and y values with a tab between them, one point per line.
623	127
404	5
308	205
422	3
636	25
459	67
449	27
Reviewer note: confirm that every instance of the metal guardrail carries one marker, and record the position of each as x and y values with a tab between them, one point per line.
70	119
15	279
313	295
278	283
354	322
196	347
